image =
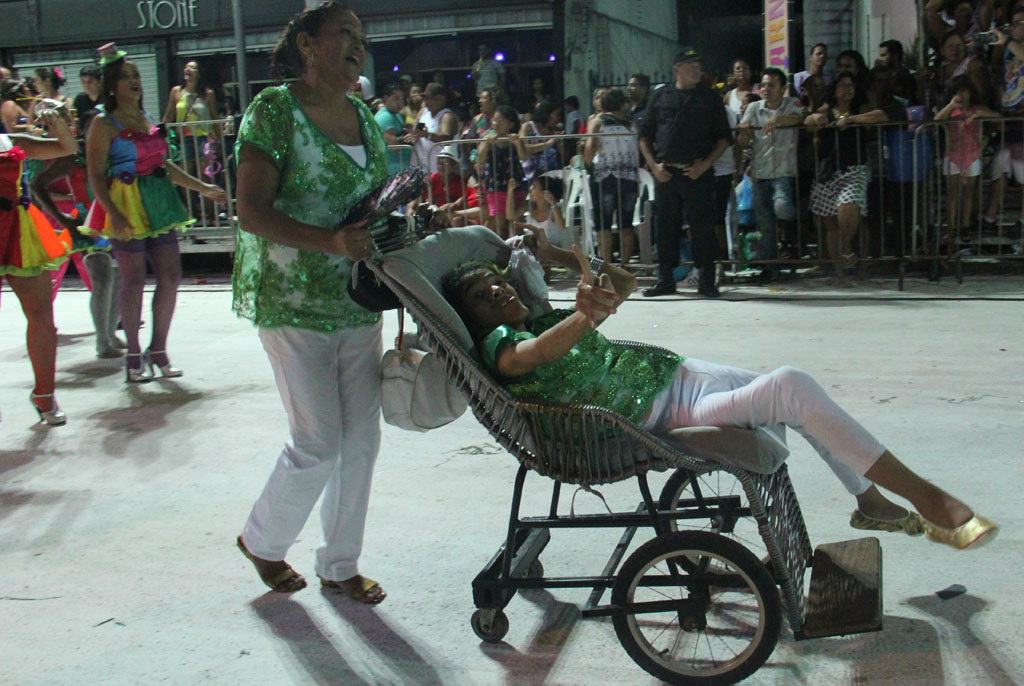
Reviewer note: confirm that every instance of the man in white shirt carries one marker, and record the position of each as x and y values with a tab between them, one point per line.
770	124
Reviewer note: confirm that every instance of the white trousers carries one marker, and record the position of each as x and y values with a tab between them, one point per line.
708	394
330	386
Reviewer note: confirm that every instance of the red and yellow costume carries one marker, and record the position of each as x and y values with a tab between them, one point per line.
28	243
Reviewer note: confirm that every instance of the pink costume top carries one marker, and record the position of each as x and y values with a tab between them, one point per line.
139	186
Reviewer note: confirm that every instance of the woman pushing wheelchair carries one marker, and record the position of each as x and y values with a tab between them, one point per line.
560	357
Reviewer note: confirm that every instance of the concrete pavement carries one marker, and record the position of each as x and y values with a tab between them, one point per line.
117	555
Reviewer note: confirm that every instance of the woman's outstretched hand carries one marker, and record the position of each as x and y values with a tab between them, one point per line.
594	300
215	193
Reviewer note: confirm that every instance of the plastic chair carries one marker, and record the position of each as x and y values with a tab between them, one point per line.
643	218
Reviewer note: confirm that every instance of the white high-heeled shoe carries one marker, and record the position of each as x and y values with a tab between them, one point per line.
168	370
54	416
136	374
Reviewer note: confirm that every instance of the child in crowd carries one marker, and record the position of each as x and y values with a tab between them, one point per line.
962	164
499	166
447	190
545	211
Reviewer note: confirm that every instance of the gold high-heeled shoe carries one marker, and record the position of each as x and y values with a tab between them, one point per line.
974	533
54	416
168	370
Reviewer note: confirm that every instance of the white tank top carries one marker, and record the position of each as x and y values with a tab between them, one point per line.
356	152
733	102
426	148
617	155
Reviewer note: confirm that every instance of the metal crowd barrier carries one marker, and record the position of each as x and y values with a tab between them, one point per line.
908	198
210	158
907	214
553	157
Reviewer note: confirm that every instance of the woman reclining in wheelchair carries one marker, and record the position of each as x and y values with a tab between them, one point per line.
559	357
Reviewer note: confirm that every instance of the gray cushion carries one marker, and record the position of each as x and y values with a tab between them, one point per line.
761	450
420	268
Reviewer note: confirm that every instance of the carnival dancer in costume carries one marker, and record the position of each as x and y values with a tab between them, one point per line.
559	357
137	208
29	248
61	190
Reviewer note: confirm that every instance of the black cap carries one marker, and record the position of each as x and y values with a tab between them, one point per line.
687	54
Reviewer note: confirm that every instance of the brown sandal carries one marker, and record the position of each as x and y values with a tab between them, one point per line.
285	581
359	588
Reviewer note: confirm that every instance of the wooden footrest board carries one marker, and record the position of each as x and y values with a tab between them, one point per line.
846	589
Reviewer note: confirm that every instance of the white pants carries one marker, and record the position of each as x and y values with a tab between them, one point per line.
708	394
330	386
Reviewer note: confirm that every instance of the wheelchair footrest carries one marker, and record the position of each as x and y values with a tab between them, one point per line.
846	589
491	589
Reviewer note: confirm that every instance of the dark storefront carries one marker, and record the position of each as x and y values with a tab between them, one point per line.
161	35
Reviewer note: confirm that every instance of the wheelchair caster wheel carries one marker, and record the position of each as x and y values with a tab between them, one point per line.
490	626
536	570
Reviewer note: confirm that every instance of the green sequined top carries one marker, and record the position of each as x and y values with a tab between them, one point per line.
275	285
595	372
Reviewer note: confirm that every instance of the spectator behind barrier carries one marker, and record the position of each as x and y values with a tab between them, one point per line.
391	122
487	71
852	62
638	90
545	153
489	99
962	164
573	118
436	124
1008	49
411	112
816	62
954	60
741	80
500	168
613	186
839	193
766	126
544	206
904	86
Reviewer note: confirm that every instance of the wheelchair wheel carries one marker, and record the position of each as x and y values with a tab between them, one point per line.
719	505
489	625
713	612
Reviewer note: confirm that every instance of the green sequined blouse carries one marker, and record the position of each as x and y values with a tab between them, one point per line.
595	372
275	285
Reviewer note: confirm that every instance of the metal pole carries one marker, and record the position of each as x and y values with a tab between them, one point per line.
243	74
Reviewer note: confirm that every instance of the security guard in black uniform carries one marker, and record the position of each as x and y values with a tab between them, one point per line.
684	131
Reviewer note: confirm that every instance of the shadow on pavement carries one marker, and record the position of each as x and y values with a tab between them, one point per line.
957	613
534	664
395	651
311	649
